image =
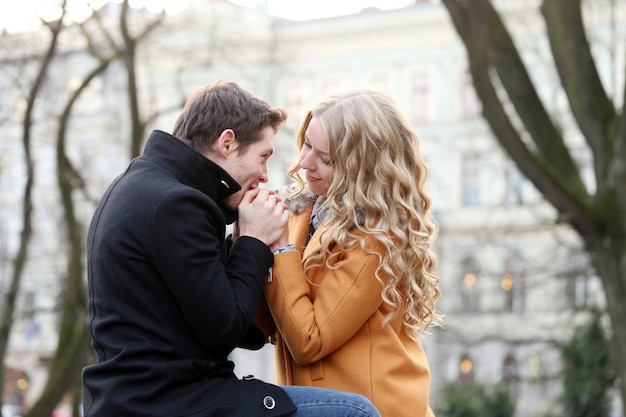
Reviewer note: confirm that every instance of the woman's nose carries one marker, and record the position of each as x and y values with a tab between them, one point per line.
305	162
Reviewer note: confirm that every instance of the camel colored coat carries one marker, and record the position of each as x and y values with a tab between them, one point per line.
330	335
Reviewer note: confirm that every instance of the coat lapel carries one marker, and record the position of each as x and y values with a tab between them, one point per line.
299	230
314	244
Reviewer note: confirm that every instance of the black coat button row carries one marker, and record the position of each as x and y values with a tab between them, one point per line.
269	402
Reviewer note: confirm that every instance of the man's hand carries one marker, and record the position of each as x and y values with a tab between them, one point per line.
262	215
282	240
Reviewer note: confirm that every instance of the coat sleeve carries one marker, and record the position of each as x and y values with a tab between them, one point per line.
346	298
217	292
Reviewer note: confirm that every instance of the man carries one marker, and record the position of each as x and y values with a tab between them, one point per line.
169	296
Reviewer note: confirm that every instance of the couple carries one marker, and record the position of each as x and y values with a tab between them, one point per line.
345	263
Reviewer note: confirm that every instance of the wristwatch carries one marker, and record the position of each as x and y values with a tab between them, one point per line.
289	247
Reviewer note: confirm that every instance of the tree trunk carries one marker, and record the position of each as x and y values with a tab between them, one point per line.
611	266
599	218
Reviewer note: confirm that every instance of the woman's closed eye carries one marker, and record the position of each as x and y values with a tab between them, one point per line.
323	157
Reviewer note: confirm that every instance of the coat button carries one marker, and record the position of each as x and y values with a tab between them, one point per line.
269	402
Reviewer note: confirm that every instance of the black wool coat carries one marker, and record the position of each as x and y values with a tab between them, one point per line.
170	297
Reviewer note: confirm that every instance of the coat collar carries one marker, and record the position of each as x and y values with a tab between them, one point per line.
192	169
299	228
301	202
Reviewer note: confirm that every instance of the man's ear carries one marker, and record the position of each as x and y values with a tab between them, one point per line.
226	143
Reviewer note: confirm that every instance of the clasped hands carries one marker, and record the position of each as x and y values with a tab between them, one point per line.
264	216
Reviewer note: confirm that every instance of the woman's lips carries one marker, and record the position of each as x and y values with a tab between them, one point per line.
311	179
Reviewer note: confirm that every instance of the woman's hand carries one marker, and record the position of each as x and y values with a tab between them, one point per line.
263	215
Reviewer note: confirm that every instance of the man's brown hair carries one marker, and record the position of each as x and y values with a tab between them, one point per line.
225	105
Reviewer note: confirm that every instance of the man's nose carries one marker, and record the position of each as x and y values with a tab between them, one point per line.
264	177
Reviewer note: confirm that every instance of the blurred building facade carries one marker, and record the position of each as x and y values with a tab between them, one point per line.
513	280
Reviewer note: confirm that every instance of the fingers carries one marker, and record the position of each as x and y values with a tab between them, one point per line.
285	214
267	199
259	196
263	215
250	195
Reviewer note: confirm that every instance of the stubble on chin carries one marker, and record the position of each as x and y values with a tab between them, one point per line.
232	202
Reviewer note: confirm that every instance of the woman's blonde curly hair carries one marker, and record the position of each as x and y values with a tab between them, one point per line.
378	187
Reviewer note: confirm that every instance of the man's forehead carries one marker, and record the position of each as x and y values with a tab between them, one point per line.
259	147
265	143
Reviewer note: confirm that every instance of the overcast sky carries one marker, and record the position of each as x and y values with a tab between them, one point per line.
24	14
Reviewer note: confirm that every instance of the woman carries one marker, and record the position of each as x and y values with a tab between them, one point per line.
352	288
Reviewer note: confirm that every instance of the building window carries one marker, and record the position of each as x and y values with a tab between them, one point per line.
510	376
535	368
514	184
512	284
469	286
29	304
420	97
18	103
295	105
470	180
466	370
5	100
578	280
15	387
471	103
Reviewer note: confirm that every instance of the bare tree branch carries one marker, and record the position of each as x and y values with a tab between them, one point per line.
546	136
591	107
475	29
137	125
22	253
